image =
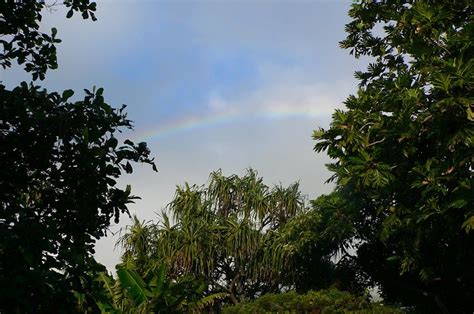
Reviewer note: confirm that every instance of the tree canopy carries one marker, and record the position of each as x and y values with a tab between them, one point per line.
227	233
60	161
403	150
400	218
22	39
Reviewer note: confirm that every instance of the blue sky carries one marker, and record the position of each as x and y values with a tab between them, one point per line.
211	84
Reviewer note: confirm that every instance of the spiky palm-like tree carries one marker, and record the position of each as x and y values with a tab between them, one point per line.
225	232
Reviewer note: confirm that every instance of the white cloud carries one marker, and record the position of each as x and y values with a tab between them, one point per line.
286	90
279	148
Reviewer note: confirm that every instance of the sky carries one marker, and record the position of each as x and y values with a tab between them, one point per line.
210	85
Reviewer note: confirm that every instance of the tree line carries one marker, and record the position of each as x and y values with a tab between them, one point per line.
400	217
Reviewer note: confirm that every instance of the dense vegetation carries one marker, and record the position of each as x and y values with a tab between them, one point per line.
153	293
323	301
60	160
227	233
403	151
400	218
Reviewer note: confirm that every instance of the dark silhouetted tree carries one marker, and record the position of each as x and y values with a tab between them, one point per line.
403	151
59	163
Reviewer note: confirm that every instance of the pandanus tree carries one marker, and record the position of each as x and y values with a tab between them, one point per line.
224	233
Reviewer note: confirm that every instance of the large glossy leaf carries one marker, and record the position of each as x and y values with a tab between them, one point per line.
134	285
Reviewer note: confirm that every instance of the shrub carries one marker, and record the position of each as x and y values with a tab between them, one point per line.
323	301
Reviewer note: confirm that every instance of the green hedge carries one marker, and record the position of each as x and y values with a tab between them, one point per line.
323	301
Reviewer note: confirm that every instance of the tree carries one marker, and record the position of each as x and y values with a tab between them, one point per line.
21	39
60	161
403	150
321	251
227	233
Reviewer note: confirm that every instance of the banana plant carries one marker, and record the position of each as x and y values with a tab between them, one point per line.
130	293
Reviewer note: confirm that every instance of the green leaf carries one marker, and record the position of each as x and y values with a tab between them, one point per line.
134	284
459	203
161	278
128	167
441	81
317	134
85	134
67	94
470	113
200	305
468	225
106	282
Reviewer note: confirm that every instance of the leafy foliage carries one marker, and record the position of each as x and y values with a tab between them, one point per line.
21	39
321	249
403	150
323	301
58	187
130	293
60	161
226	233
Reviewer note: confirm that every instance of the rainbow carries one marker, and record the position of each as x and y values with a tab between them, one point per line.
192	123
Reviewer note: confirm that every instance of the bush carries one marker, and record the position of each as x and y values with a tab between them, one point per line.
323	301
